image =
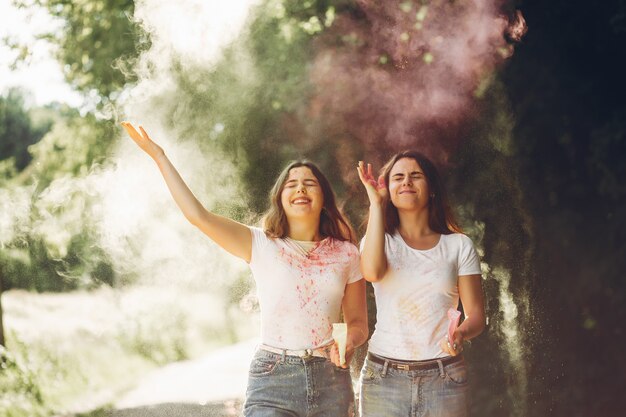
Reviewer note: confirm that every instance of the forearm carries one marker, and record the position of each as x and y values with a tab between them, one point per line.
184	198
373	259
357	333
472	326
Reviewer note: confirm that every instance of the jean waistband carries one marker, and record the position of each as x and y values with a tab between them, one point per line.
414	366
321	352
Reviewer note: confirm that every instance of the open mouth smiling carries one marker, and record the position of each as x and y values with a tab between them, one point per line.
300	201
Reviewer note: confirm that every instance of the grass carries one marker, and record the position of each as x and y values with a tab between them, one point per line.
77	352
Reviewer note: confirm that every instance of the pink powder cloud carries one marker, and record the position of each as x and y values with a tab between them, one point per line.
405	74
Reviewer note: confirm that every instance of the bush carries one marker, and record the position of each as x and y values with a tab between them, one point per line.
21	396
160	337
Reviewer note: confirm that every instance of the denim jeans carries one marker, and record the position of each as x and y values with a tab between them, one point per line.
420	393
291	386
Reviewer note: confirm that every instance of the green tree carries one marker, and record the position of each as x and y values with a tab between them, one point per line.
252	104
17	132
98	43
96	46
55	250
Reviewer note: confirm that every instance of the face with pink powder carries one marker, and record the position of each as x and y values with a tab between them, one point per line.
408	186
302	195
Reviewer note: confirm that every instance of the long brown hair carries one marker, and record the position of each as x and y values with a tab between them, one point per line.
332	221
440	217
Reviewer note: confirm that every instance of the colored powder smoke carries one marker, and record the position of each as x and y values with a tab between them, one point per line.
407	74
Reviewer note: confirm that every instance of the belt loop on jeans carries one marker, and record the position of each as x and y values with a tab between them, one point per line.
384	374
441	371
282	356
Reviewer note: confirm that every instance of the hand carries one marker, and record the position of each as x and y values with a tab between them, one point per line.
143	140
376	190
452	347
334	354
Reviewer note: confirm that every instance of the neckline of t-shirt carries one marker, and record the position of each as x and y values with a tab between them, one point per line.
307	241
419	250
318	244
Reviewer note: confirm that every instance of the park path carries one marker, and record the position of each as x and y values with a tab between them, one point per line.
213	385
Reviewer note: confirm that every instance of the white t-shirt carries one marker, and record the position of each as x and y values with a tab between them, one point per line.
300	293
415	294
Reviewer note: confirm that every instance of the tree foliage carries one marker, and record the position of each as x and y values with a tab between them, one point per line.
97	44
54	245
18	130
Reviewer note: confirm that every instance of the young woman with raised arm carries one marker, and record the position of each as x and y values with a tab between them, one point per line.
420	265
306	268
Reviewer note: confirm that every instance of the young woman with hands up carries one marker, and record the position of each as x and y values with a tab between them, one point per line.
420	265
306	269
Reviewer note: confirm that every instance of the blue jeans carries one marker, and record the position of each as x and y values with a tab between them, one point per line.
421	393
291	386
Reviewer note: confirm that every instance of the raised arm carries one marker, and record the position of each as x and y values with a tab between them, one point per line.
234	237
373	259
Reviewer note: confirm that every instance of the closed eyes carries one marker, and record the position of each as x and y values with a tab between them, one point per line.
294	183
414	175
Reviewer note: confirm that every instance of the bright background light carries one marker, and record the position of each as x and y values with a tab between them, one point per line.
42	75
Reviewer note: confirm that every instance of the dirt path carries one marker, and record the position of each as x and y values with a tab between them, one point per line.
213	386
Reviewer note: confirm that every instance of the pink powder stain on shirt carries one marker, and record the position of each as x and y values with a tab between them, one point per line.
328	258
307	293
328	254
316	338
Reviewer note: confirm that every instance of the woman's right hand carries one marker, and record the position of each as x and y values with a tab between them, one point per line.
142	139
376	190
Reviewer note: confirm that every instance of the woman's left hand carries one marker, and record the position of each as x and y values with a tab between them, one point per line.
452	347
334	354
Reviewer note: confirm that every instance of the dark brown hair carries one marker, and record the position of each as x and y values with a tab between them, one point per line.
440	217
332	221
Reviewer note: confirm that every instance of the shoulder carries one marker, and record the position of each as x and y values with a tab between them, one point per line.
256	231
460	244
345	246
393	239
388	238
459	239
465	240
259	236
